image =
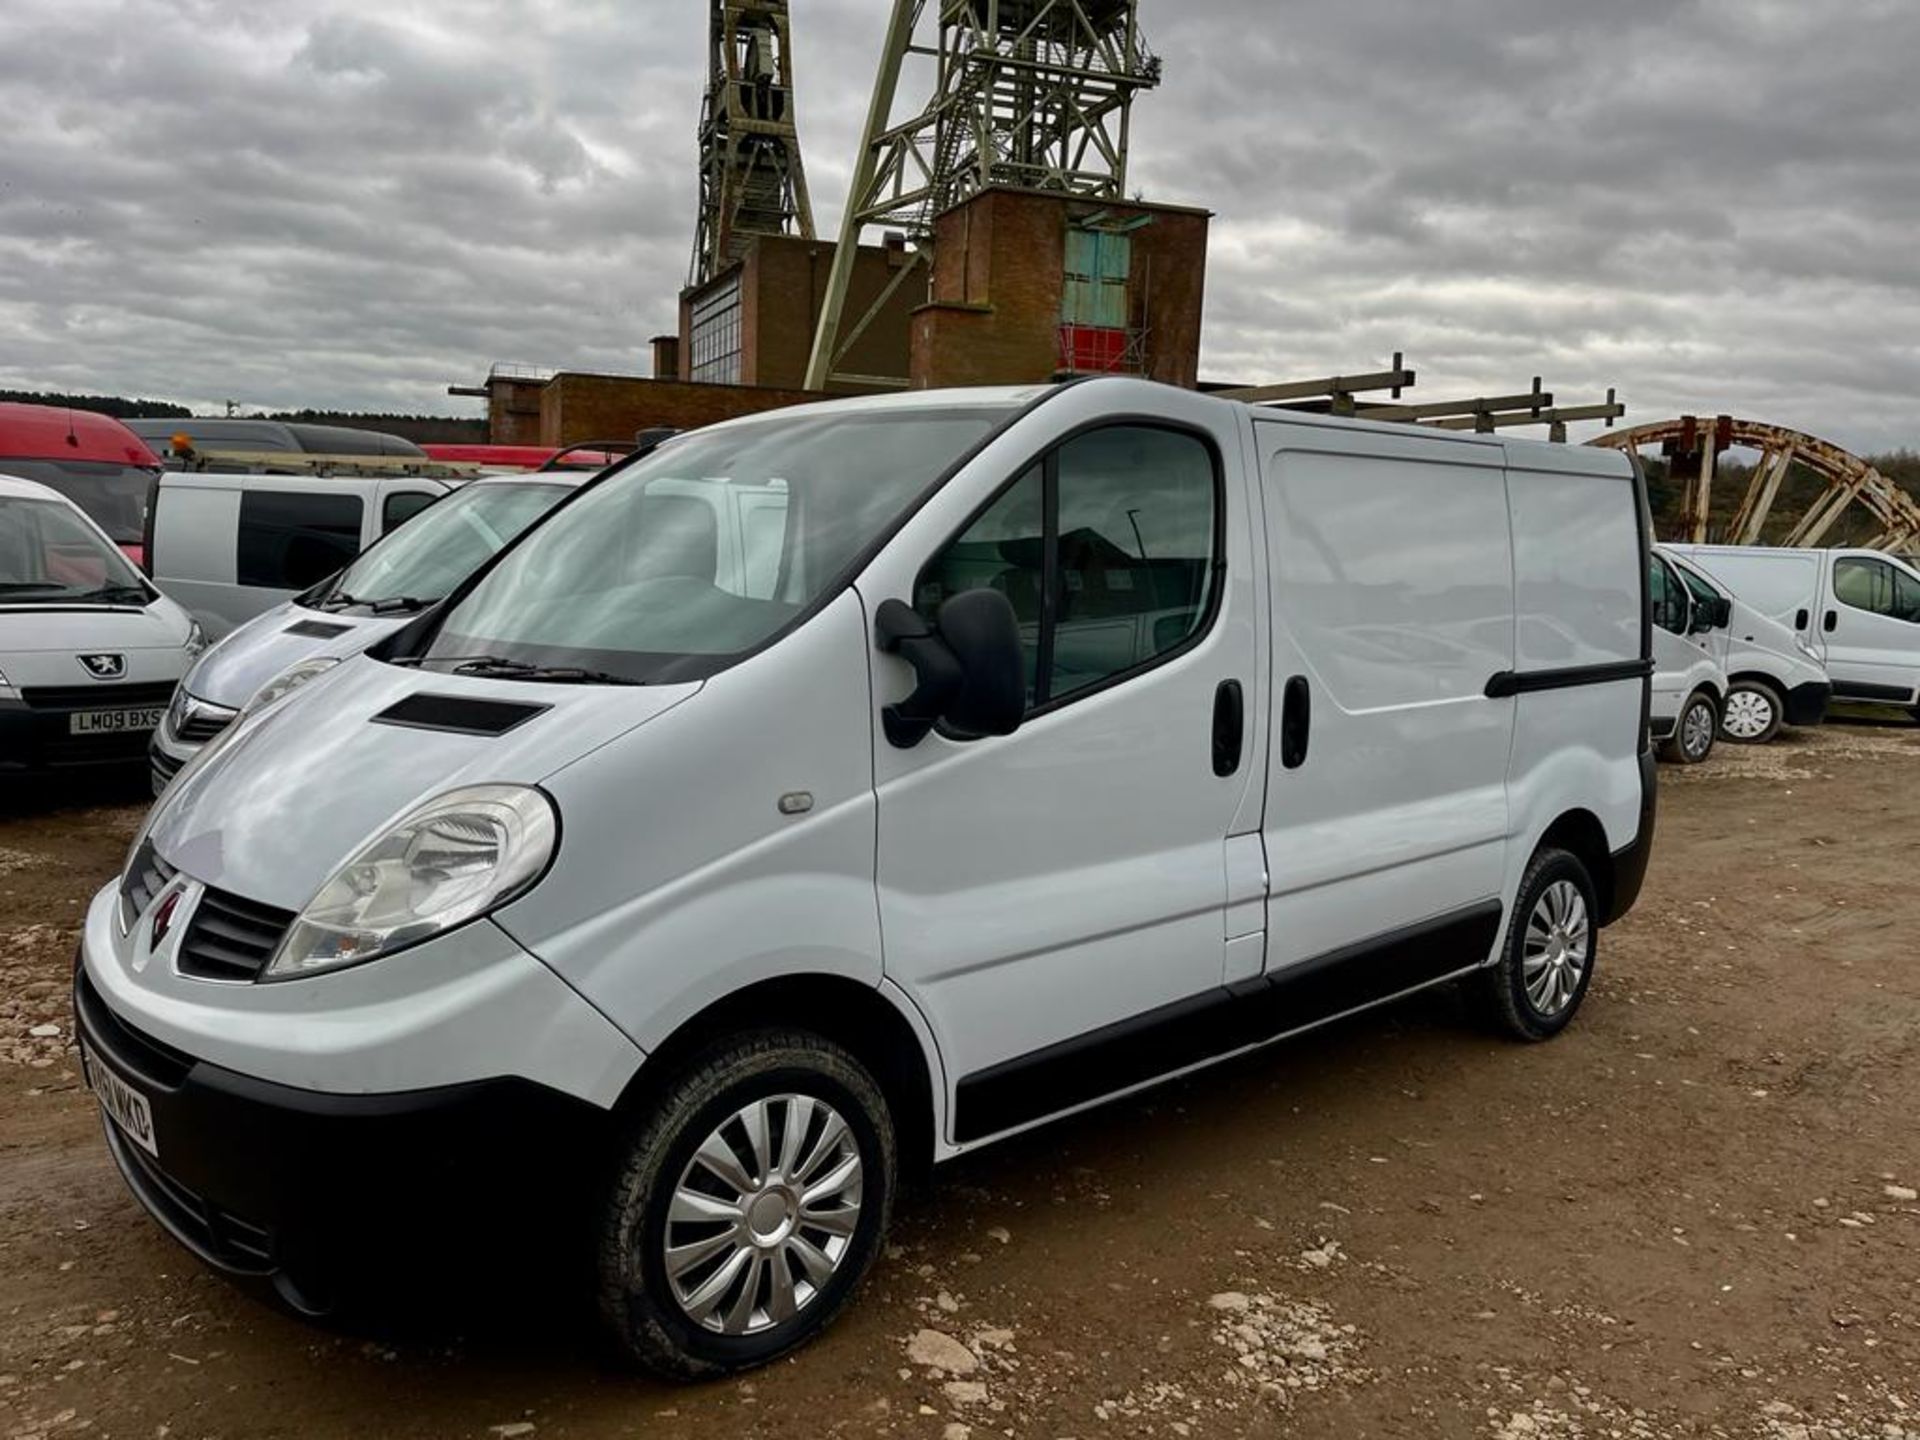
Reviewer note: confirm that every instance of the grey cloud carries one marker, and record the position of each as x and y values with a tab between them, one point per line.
1705	202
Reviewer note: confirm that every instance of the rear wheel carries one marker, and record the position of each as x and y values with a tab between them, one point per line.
1533	991
1753	713
1692	740
750	1203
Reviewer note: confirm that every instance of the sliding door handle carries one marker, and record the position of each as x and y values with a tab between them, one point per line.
1229	727
1296	723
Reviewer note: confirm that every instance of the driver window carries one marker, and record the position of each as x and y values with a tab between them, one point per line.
1864	585
1906	596
1669	597
1106	551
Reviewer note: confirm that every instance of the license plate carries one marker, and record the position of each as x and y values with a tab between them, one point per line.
112	722
125	1106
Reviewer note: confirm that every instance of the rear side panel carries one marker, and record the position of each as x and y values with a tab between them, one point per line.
1392	592
1580	573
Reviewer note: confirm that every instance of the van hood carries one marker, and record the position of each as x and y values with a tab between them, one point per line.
232	672
31	629
288	795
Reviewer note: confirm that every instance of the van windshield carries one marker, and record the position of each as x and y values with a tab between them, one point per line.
673	568
50	556
113	496
417	564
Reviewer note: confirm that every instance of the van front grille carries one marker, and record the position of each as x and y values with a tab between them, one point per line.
97	697
231	938
146	877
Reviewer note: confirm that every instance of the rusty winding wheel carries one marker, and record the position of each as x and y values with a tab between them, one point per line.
1694	446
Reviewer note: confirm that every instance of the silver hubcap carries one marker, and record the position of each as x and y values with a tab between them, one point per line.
1749	713
1557	946
1697	732
763	1214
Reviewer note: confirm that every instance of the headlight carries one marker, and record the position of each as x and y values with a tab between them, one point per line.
448	862
6	688
196	639
286	682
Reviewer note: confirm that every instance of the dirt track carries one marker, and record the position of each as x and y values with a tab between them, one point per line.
1692	1215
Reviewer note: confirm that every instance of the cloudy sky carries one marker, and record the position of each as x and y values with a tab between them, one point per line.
1712	204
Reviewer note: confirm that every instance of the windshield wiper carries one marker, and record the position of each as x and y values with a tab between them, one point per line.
28	587
402	604
115	594
338	600
520	670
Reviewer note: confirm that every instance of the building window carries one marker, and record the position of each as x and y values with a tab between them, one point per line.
715	339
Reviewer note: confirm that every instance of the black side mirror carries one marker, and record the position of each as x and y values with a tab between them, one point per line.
1711	614
969	665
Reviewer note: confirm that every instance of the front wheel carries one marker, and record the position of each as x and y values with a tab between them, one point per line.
750	1202
1692	740
1533	990
1753	713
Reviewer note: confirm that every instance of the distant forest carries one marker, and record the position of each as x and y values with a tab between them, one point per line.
421	429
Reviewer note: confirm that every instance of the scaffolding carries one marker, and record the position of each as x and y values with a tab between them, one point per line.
751	179
1036	94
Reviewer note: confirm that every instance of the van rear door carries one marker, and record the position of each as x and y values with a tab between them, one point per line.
1393	607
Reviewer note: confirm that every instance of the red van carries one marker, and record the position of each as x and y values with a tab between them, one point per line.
93	460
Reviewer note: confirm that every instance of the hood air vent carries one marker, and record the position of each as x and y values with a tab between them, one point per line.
316	630
460	714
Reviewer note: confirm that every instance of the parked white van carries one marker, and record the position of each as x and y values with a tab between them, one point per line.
1859	611
1057	742
405	572
1773	678
1689	685
89	652
229	547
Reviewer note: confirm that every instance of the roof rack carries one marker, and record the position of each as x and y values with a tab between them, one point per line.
209	460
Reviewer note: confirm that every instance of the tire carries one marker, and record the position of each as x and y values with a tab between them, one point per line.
773	1079
1692	738
1753	714
1554	929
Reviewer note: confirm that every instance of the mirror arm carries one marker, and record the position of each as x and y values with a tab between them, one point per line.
901	630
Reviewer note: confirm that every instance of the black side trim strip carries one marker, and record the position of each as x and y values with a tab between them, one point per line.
1528	682
1219	1022
1857	690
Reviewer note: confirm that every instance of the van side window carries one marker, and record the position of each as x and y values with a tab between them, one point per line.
1906	597
289	541
1867	585
1106	549
1669	597
398	509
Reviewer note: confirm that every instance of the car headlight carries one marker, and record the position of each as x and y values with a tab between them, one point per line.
286	682
7	692
450	861
196	639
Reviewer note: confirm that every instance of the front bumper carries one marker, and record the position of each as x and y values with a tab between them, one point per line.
316	1195
1807	704
34	738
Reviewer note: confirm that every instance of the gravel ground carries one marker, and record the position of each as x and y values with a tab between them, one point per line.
1693	1215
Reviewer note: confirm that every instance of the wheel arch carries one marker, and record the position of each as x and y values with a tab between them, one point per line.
861	1018
1757	677
1580	833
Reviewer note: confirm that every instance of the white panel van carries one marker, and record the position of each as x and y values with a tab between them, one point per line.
1047	744
1689	684
1772	677
90	653
1858	610
229	547
386	587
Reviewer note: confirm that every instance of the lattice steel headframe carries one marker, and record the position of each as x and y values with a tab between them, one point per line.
1033	93
1695	444
751	179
